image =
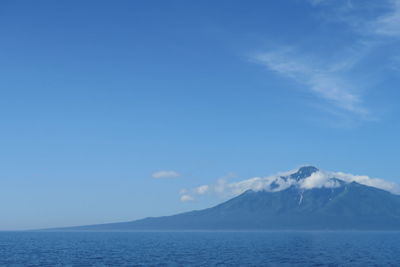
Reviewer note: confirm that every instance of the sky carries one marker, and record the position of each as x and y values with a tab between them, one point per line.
118	110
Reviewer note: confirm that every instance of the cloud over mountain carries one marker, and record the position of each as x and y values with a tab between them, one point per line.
308	180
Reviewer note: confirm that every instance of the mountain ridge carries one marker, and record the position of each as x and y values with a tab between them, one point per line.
337	205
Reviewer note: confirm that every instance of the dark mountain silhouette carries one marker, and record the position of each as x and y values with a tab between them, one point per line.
348	206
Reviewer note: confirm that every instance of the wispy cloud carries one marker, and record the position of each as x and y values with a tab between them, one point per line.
370	26
317	2
383	16
325	82
389	23
165	174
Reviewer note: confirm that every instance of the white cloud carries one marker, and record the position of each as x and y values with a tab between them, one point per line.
225	188
282	181
201	190
186	198
165	174
365	180
324	179
318	180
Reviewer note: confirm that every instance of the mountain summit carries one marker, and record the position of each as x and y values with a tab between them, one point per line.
303	200
303	172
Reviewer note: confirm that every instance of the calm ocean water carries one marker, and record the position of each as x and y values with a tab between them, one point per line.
200	249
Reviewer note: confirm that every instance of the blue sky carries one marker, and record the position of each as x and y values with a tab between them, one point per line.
115	110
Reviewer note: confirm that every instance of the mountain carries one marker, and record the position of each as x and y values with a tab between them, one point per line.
338	205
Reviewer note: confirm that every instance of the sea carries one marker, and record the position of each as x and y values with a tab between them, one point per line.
283	248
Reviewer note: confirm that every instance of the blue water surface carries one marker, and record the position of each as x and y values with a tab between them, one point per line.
200	248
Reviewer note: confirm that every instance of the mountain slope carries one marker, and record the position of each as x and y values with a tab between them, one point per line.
342	206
